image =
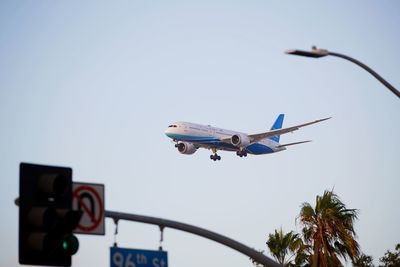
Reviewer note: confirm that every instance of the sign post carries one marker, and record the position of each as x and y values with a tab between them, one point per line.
89	199
124	257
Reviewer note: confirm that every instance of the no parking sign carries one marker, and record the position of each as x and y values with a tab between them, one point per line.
89	199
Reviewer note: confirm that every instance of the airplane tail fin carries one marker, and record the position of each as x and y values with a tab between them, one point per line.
277	125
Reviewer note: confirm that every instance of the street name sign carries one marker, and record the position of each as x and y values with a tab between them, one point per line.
125	257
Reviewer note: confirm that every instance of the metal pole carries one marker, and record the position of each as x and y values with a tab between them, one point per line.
317	53
371	71
257	256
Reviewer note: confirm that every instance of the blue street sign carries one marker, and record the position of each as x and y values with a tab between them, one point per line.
125	257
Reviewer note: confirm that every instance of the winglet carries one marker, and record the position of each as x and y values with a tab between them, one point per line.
324	119
309	123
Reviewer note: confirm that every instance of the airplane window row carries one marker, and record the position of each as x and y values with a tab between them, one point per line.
194	128
172	126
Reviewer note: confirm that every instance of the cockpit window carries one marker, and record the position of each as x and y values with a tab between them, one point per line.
172	126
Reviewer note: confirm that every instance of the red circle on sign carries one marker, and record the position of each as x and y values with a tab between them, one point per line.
96	221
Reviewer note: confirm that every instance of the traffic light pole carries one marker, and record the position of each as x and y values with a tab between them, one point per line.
163	223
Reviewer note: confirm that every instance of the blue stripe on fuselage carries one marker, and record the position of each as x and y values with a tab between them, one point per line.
192	138
258	149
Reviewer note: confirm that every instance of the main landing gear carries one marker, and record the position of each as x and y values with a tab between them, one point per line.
215	156
241	153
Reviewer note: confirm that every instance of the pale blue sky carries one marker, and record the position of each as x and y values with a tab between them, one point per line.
93	84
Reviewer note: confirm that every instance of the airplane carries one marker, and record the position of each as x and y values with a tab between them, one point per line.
188	137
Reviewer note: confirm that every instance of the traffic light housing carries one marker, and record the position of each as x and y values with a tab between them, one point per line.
46	218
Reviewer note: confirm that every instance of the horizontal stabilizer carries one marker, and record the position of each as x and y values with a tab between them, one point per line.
291	144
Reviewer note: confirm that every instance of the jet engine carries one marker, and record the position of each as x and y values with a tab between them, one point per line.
186	148
240	140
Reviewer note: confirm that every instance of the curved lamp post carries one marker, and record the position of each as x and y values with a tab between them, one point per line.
317	53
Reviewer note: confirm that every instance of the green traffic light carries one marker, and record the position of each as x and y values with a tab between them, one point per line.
70	244
65	245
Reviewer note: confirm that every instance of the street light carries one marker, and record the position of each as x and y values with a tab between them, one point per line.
317	53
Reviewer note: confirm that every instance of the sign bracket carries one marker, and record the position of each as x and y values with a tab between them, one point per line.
116	220
160	248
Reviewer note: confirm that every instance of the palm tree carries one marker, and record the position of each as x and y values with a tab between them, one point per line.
391	259
328	230
284	247
363	261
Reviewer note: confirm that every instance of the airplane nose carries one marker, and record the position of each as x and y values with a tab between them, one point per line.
171	131
167	132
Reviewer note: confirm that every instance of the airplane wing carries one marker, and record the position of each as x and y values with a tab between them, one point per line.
254	138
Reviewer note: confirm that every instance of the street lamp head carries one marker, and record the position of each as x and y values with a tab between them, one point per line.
315	52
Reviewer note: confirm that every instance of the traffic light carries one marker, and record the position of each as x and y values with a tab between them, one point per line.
46	218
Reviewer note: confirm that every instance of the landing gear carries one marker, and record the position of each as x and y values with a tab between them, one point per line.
176	143
241	153
215	156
